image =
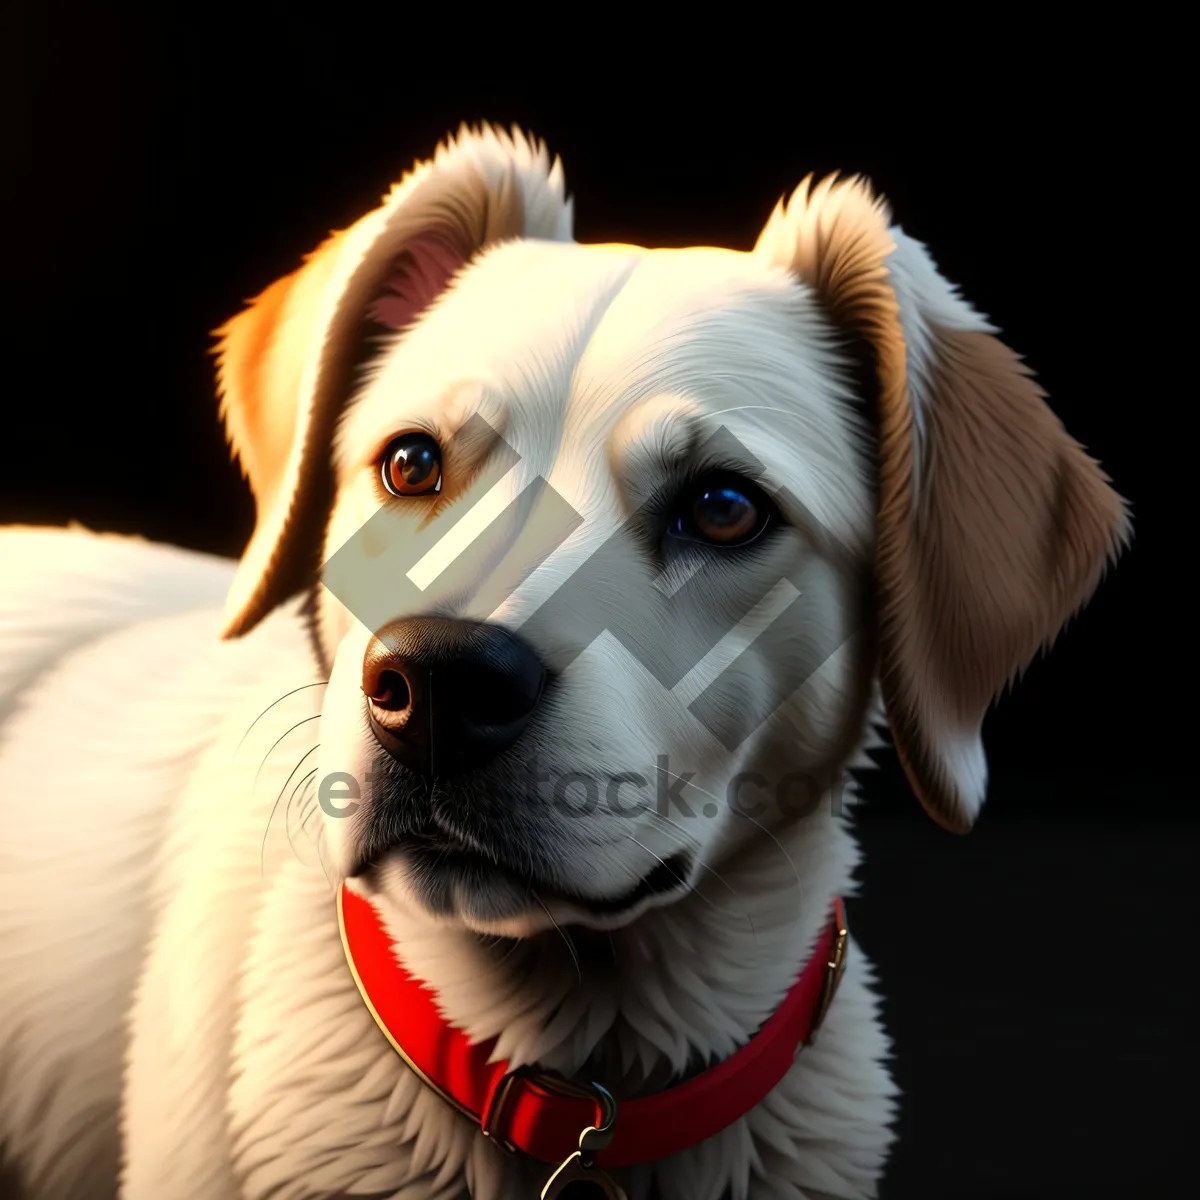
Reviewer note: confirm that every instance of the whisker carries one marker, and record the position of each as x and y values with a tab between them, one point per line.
690	843
315	836
492	942
660	860
694	891
782	849
687	837
262	854
332	878
322	683
566	940
308	808
720	412
287	824
262	765
516	945
738	812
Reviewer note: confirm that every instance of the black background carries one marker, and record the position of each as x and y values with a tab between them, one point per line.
164	166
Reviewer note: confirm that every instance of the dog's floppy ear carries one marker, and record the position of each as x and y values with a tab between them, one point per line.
993	525
287	363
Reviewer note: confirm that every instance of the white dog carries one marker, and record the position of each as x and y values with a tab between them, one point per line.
653	542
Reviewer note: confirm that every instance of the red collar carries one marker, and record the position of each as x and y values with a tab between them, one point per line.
542	1115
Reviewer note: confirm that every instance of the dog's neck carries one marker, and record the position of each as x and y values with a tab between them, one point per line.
676	990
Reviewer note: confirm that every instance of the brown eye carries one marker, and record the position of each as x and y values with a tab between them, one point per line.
725	515
412	465
723	510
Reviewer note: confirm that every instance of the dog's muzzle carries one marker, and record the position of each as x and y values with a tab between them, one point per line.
445	696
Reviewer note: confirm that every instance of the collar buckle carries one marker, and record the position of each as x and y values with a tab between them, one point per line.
493	1121
834	969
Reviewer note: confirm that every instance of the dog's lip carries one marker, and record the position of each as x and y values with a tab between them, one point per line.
669	874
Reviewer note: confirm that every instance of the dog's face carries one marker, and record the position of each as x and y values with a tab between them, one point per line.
616	540
650	391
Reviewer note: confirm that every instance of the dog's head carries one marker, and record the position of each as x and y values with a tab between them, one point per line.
615	542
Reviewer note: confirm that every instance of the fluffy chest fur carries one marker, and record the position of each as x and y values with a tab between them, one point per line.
253	1068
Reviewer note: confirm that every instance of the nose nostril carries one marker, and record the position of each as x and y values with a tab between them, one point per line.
391	692
444	696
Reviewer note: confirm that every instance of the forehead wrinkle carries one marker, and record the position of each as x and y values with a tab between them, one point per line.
675	330
650	441
661	426
747	348
627	359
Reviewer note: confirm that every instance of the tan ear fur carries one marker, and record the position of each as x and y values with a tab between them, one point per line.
286	364
260	364
993	526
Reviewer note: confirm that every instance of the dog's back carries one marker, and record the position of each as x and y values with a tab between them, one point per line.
98	635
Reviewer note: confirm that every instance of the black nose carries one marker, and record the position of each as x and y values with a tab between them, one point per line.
445	696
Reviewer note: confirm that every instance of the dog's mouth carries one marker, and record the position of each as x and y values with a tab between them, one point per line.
668	876
451	877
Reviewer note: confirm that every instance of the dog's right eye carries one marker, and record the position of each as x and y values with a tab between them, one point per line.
722	510
412	465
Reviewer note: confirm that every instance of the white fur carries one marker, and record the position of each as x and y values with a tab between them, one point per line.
174	994
253	1068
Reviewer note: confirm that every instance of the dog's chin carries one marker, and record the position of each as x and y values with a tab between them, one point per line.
475	891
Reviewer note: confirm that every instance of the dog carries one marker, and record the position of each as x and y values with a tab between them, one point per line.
682	527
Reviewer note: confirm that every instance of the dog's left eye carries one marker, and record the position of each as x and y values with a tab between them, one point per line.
412	465
721	510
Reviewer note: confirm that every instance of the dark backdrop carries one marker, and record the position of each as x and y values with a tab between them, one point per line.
163	167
